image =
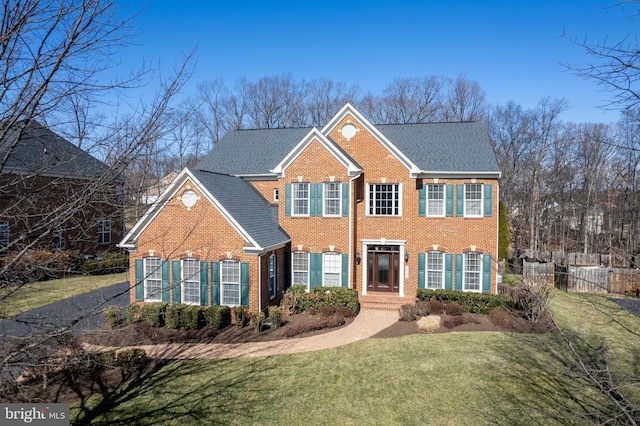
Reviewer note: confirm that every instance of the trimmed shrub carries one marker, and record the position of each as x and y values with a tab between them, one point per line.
132	358
475	303
435	307
112	316
106	263
344	311
276	314
459	320
327	311
172	316
152	314
407	312
422	308
240	315
191	317
319	323
453	309
133	313
217	317
256	319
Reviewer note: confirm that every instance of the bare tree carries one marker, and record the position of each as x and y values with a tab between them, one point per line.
464	101
325	97
56	60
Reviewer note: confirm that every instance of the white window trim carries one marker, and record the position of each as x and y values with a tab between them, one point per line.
104	228
368	200
223	283
184	280
363	265
156	297
464	272
427	270
276	195
444	200
324	268
324	200
481	200
294	271
294	198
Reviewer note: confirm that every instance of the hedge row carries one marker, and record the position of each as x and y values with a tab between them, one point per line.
188	317
323	296
475	303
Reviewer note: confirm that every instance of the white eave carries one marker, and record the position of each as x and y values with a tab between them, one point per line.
457	174
129	240
352	168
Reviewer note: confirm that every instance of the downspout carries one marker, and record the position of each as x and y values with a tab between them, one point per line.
260	282
497	232
351	222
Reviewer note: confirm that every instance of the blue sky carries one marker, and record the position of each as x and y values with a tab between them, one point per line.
514	49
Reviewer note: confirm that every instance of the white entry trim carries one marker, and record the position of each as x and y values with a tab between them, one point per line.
381	241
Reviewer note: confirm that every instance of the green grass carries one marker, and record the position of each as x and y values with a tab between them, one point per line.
34	295
443	379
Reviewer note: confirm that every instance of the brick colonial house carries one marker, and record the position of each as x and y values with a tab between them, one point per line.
384	209
54	195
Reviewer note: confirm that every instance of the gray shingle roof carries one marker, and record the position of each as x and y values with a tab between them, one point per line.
42	151
247	152
449	147
252	212
446	147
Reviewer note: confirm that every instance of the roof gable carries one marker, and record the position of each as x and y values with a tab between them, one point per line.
37	149
236	200
335	150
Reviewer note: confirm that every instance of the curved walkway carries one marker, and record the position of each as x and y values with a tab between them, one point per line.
366	324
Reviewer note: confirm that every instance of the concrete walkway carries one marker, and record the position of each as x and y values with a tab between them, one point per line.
366	324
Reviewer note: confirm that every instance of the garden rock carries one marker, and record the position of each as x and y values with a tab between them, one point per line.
429	323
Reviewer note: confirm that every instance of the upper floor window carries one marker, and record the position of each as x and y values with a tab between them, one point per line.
104	231
152	279
435	200
300	268
435	270
230	282
384	199
332	198
473	200
472	272
56	238
332	269
300	197
276	194
190	281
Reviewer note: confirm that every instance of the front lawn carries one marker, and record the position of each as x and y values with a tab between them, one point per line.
34	295
453	378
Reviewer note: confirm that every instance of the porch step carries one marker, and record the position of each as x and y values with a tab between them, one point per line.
384	301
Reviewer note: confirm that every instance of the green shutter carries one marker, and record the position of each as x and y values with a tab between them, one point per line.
244	284
345	199
215	283
345	271
139	273
486	273
287	199
422	201
204	283
447	271
421	269
460	200
487	201
315	199
449	199
459	260
165	281
175	281
315	270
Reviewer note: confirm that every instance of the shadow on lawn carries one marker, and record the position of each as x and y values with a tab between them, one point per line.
563	380
186	392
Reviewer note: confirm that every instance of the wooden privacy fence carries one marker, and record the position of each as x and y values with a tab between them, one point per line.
577	279
573	259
